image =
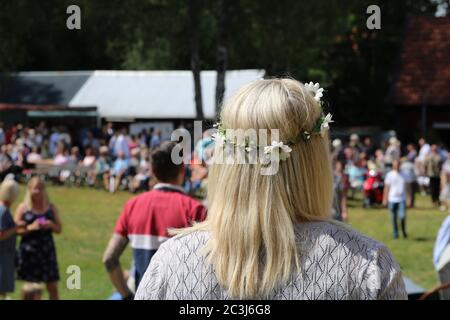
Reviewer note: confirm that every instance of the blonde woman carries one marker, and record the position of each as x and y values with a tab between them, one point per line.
37	253
8	229
270	236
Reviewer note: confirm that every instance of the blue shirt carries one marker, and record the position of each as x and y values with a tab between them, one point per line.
7	222
155	141
442	240
120	165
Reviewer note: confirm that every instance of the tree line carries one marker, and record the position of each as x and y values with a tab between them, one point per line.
321	40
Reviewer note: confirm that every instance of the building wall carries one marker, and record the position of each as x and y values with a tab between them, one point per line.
409	120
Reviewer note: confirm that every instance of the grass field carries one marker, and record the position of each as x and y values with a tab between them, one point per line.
89	216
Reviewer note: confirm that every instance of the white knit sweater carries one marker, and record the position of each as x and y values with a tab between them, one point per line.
336	263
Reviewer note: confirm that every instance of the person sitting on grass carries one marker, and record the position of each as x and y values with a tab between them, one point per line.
140	181
102	168
118	171
89	164
9	190
145	219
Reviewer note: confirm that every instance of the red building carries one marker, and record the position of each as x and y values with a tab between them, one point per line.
421	92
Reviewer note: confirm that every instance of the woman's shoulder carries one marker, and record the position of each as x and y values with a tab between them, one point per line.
338	234
22	208
186	242
4	210
178	250
377	275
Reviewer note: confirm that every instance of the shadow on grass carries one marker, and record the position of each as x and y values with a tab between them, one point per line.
422	239
424	208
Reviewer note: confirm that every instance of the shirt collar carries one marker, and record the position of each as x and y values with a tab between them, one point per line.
170	186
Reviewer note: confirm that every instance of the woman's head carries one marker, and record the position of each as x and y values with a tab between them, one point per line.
36	193
252	214
305	176
104	151
88	151
338	166
75	152
60	148
9	190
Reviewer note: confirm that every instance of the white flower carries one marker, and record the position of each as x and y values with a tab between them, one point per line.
278	150
218	138
325	126
316	89
306	135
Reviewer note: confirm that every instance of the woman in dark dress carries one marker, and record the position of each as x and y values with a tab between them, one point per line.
37	253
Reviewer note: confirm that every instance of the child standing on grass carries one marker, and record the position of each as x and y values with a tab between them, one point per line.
8	193
37	252
395	197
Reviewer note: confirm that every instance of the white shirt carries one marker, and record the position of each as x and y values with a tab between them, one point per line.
121	144
407	171
424	151
396	183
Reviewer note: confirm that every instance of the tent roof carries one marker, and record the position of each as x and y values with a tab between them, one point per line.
42	88
155	94
124	94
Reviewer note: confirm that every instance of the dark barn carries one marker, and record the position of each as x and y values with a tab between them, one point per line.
421	92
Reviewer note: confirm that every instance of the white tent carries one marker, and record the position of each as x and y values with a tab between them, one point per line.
129	95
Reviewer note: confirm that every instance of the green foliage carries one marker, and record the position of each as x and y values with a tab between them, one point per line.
321	40
414	254
88	217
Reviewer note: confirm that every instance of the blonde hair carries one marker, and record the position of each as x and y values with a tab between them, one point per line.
251	217
28	201
9	190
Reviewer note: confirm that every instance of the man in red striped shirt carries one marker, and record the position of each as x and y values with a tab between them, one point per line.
146	218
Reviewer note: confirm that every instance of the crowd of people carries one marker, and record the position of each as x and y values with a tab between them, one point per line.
390	174
109	158
385	172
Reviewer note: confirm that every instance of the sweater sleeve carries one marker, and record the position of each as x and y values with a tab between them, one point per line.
384	279
153	284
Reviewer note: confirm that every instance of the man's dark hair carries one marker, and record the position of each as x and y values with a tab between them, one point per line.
162	165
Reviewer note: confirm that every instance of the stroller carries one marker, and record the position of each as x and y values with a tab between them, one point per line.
373	188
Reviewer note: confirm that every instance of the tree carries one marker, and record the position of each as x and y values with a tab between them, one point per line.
194	8
222	50
320	40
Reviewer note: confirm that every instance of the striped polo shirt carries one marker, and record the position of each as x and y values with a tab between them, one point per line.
146	218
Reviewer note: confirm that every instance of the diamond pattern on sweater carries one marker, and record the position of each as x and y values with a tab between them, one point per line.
336	263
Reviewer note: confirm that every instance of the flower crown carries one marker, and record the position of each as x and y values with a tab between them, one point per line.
279	149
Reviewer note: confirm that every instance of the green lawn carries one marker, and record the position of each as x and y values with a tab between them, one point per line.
89	215
414	254
88	218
